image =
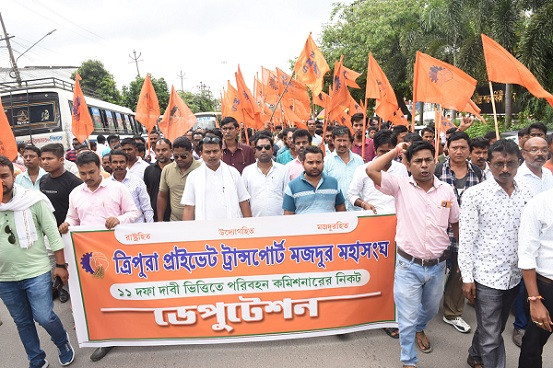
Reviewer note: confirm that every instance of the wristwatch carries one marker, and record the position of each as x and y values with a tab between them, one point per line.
64	265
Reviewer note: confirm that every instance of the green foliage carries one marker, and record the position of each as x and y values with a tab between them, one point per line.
96	78
131	93
202	101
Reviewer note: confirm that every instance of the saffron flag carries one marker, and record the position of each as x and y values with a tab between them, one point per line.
503	67
340	95
441	83
292	89
472	108
250	110
82	125
311	67
232	103
8	145
379	88
320	99
147	109
178	118
350	76
271	85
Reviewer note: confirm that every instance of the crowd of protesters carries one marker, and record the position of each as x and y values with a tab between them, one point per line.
474	220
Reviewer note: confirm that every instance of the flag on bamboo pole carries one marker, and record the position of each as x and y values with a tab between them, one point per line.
502	67
291	116
294	89
232	103
472	108
311	67
339	97
8	145
350	76
259	95
250	110
320	99
147	109
81	125
271	85
178	118
379	88
441	83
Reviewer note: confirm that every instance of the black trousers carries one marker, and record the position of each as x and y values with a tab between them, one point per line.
535	337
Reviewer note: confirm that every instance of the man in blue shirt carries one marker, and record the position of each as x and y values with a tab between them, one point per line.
312	191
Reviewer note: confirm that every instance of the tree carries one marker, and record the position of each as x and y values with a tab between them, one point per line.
96	78
131	93
201	101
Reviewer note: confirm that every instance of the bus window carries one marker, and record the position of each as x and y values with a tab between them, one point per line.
96	119
137	127
109	119
121	123
37	113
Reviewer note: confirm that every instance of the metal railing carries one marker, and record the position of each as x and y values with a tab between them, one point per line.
52	82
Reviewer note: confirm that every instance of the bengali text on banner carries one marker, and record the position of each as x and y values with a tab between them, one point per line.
232	280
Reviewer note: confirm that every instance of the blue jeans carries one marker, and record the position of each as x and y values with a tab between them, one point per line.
418	291
28	301
521	317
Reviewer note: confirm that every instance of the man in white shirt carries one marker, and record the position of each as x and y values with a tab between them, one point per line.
341	163
101	145
361	192
137	165
265	180
490	218
215	190
312	127
535	258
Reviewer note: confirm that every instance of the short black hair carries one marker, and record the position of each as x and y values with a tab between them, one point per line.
550	139
87	157
32	147
215	132
130	141
285	131
302	133
357	117
490	135
54	148
419	146
21	145
341	131
112	137
539	125
523	132
160	140
140	138
182	142
479	142
383	137
227	120
427	129
141	147
371	128
101	139
398	129
4	161
412	137
261	135
505	146
118	153
451	130
457	135
309	149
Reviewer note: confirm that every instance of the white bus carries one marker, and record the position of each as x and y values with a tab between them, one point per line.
207	120
39	112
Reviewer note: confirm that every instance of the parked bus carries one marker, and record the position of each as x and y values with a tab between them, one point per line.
39	112
207	120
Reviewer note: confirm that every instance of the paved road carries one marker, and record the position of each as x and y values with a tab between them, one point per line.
372	349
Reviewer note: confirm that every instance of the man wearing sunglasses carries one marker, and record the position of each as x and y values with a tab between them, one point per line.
215	190
265	180
25	279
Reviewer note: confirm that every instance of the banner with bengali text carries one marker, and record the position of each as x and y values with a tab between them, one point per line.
235	280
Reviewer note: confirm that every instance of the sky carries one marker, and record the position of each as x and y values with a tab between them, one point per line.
205	39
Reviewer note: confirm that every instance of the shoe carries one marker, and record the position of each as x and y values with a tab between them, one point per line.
66	354
459	324
518	334
99	353
474	363
44	364
63	295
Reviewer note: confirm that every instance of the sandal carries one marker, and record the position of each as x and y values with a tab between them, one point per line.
392	332
474	363
422	342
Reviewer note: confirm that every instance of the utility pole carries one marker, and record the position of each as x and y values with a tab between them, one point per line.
182	78
135	60
12	58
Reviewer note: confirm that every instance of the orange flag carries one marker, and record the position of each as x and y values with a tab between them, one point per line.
503	67
472	108
441	83
271	85
82	125
320	99
294	89
350	76
8	145
147	109
250	110
311	66
178	118
340	94
231	103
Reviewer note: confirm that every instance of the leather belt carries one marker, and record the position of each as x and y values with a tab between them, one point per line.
422	262
543	279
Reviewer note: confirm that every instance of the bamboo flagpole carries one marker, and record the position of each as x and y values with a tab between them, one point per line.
437	129
282	94
494	112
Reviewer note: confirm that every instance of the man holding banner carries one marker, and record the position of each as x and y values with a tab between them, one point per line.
425	207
